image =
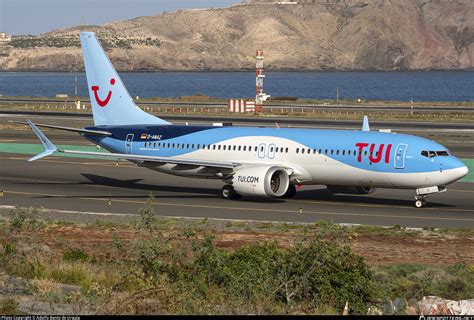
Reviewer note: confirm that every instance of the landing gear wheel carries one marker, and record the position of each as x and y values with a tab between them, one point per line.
291	192
229	193
419	203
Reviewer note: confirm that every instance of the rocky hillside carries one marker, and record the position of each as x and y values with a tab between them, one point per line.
310	35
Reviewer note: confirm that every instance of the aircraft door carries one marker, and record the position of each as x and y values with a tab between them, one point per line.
271	151
400	156
128	143
261	150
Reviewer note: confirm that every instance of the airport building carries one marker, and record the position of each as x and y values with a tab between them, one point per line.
5	38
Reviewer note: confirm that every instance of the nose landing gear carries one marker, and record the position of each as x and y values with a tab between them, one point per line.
422	194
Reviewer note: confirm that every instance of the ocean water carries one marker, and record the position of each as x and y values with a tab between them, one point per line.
401	86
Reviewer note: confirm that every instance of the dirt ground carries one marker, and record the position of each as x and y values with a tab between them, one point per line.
425	247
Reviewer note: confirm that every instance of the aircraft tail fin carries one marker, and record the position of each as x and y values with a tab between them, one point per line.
110	100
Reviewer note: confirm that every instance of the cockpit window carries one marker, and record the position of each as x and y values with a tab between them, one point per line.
432	154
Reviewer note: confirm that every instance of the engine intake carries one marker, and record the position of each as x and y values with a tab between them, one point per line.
262	181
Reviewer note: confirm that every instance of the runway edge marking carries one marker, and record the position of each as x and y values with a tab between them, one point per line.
249	209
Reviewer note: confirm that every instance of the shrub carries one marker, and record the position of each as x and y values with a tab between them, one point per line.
147	219
8	306
73	255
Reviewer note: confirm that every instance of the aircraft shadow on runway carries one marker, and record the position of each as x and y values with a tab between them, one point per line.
323	195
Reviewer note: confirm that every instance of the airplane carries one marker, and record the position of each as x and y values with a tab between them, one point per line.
268	162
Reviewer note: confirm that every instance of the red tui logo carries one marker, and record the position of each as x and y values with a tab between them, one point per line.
100	102
361	146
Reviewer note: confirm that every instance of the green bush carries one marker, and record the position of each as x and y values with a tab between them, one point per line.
8	306
408	281
319	273
73	255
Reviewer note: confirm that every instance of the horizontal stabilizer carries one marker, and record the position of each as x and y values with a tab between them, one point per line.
50	148
92	132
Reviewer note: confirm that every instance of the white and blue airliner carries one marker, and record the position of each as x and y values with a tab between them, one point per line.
251	161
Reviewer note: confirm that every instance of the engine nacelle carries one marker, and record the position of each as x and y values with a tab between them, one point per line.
261	181
351	190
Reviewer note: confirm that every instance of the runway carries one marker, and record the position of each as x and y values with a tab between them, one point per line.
88	185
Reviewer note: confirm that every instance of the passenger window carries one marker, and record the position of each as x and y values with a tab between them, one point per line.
271	149
332	152
240	148
343	152
256	148
213	147
297	150
286	150
218	147
337	152
234	148
365	153
245	148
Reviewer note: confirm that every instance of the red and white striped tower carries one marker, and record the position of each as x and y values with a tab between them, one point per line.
260	95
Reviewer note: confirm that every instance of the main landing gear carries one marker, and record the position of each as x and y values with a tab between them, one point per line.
229	193
420	201
291	192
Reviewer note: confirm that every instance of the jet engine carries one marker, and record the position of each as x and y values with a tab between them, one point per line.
351	190
261	181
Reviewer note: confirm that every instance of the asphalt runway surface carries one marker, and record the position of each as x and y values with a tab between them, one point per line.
87	185
259	121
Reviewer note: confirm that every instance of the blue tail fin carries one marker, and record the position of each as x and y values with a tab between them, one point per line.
110	100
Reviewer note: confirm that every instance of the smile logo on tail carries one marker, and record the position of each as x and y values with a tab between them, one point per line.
102	103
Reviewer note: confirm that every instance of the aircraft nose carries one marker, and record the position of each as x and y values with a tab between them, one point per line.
462	172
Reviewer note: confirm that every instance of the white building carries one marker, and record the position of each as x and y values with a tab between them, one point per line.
5	37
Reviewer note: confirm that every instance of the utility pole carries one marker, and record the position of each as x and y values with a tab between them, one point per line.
75	86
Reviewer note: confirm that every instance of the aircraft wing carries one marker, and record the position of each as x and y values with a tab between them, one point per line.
50	148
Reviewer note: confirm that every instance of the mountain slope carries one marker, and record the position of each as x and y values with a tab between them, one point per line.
377	35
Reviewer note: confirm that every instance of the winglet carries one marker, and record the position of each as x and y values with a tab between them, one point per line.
50	148
365	124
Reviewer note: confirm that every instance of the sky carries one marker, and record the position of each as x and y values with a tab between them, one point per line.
21	17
